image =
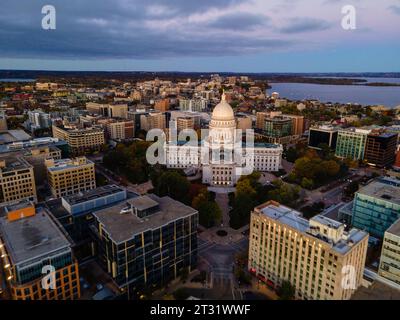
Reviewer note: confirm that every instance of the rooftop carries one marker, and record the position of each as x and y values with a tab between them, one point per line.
394	228
11	136
293	219
122	227
92	194
14	163
32	237
385	189
62	164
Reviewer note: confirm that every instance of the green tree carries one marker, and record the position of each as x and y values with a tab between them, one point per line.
307	183
286	291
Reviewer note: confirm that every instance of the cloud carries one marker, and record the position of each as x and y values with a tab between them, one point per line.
300	25
395	9
239	21
132	29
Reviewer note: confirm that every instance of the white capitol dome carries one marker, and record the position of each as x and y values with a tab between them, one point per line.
223	111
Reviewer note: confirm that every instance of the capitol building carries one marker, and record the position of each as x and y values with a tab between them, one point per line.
223	156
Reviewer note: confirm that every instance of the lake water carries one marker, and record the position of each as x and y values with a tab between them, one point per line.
16	80
365	95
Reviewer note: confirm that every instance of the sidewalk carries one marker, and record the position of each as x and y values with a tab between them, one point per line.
259	286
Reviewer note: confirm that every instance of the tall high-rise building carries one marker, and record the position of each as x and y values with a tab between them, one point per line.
322	135
37	119
117	111
389	266
17	180
121	129
79	140
3	121
161	105
376	206
70	176
194	105
380	148
297	124
183	123
397	161
244	122
260	120
315	256
351	143
31	246
146	241
153	120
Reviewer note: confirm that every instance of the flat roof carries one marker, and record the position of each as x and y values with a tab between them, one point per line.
13	162
62	164
18	205
93	194
32	237
11	136
384	189
293	218
394	228
143	203
123	227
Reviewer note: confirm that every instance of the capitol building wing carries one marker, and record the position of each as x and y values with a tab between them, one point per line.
223	157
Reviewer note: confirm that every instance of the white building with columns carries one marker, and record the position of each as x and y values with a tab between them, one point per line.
222	155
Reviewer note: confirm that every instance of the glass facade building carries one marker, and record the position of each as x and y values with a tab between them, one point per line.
351	143
377	206
140	250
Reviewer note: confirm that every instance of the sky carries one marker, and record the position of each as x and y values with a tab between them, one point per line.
201	35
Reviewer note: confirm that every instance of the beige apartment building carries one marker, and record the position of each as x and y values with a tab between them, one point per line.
297	124
154	120
80	140
121	130
183	123
260	120
389	267
17	180
318	257
70	176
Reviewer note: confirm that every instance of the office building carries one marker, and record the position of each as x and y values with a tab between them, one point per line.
376	206
297	124
194	105
120	130
80	140
380	148
17	180
397	161
278	127
389	266
326	135
313	256
153	120
37	119
13	136
117	110
3	121
244	122
75	214
70	176
161	105
29	243
183	123
260	120
146	241
351	143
